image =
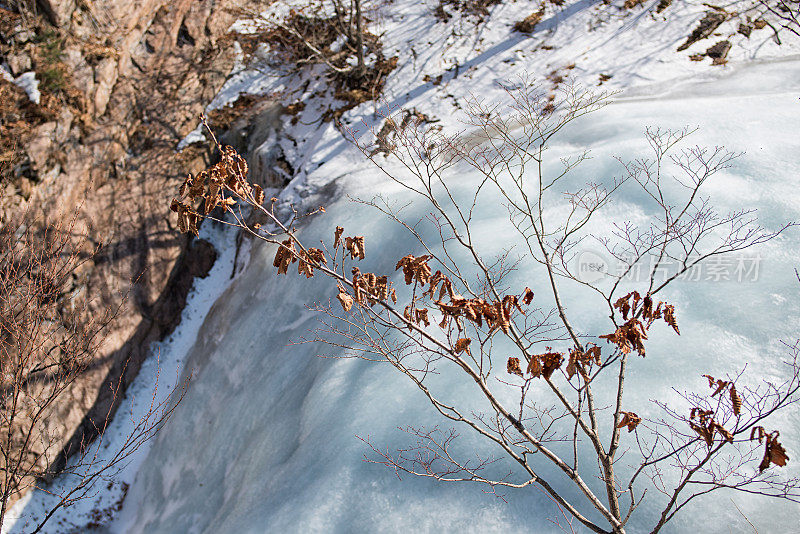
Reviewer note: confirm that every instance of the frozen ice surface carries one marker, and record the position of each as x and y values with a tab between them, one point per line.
265	440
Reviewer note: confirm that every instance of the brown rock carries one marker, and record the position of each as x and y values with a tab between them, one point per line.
719	52
81	73
111	157
19	63
704	28
63	126
105	76
40	146
59	12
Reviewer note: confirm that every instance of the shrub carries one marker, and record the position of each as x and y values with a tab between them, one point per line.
456	305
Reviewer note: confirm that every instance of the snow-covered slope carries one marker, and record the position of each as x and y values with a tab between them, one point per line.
265	439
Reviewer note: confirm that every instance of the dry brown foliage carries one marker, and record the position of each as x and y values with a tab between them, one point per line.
582	361
513	367
206	191
774	453
630	4
706	427
544	365
528	24
630	420
478	10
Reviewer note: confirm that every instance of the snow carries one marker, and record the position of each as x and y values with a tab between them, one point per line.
195	136
26	81
265	438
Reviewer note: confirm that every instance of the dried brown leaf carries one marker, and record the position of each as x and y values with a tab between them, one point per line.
527	296
774	453
258	194
513	367
355	246
545	364
736	401
284	256
462	345
629	419
345	300
669	317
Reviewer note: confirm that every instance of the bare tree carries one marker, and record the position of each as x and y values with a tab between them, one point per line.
786	13
332	33
50	335
323	31
682	455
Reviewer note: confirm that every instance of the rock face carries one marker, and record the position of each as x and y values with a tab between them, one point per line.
139	75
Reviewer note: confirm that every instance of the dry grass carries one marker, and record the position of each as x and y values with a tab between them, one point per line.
222	119
528	24
18	117
304	39
475	9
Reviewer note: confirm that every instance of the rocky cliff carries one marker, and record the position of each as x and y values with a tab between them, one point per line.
120	83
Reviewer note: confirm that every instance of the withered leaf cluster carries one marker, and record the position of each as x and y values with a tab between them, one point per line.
702	422
415	269
639	315
544	365
199	195
774	453
417	315
307	260
462	345
438	280
513	367
496	314
527	296
582	361
629	419
355	246
344	299
369	287
629	336
476	310
352	245
629	305
720	386
287	254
